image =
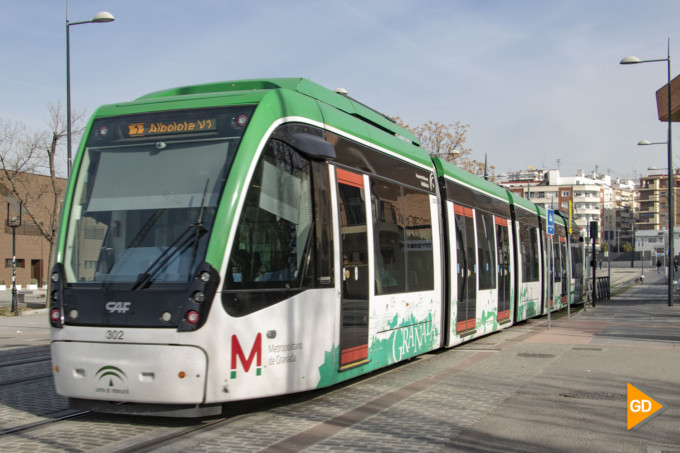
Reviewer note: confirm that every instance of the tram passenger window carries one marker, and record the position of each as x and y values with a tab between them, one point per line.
323	224
563	260
557	276
388	221
576	267
419	255
274	234
529	246
486	250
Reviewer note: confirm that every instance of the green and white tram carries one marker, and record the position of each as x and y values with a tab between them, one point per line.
245	239
479	237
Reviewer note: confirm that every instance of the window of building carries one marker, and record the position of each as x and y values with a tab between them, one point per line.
566	193
20	263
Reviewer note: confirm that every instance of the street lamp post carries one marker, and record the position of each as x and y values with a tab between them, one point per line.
671	177
14	223
100	17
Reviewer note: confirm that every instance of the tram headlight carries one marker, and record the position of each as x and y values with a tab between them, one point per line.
241	121
192	317
55	315
102	132
199	298
56	297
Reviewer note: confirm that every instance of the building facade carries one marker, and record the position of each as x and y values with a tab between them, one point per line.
22	234
610	203
654	202
653	216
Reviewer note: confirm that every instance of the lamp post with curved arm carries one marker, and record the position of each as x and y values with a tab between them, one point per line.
671	178
100	17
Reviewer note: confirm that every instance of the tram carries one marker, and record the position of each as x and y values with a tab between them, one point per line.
246	239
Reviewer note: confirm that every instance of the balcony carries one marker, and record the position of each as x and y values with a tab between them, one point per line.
587	199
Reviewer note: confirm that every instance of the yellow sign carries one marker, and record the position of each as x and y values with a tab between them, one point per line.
571	215
641	407
171	127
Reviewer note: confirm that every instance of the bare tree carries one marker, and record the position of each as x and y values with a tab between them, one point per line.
448	142
29	169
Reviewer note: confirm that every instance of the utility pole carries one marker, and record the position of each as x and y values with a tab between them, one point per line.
14	223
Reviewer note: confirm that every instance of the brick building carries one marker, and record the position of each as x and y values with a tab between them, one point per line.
32	249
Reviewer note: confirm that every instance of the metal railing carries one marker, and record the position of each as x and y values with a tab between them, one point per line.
602	287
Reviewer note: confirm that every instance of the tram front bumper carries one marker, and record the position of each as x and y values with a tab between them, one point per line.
129	372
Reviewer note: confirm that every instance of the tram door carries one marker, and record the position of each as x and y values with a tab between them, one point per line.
503	250
466	269
354	245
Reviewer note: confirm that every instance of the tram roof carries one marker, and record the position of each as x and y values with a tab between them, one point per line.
254	92
301	85
447	169
523	202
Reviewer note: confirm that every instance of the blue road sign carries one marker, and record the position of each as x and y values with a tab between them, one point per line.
551	222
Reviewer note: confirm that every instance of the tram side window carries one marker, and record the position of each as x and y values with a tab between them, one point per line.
388	221
403	238
486	250
576	261
419	255
323	224
563	260
274	235
529	246
557	276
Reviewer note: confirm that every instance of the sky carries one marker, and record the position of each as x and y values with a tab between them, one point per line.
538	81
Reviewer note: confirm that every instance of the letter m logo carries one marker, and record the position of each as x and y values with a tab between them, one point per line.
237	353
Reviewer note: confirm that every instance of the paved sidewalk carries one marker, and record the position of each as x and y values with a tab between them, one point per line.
578	401
30	329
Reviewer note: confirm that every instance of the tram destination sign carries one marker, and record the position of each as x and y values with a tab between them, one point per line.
171	127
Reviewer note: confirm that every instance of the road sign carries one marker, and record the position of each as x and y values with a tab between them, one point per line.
551	222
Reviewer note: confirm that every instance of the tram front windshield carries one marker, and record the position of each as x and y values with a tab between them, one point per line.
146	195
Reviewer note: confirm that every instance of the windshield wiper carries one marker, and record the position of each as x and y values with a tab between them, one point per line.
192	233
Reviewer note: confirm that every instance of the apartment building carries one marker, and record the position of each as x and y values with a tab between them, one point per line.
594	197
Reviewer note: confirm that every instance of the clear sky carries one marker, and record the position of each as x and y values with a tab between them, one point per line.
536	80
